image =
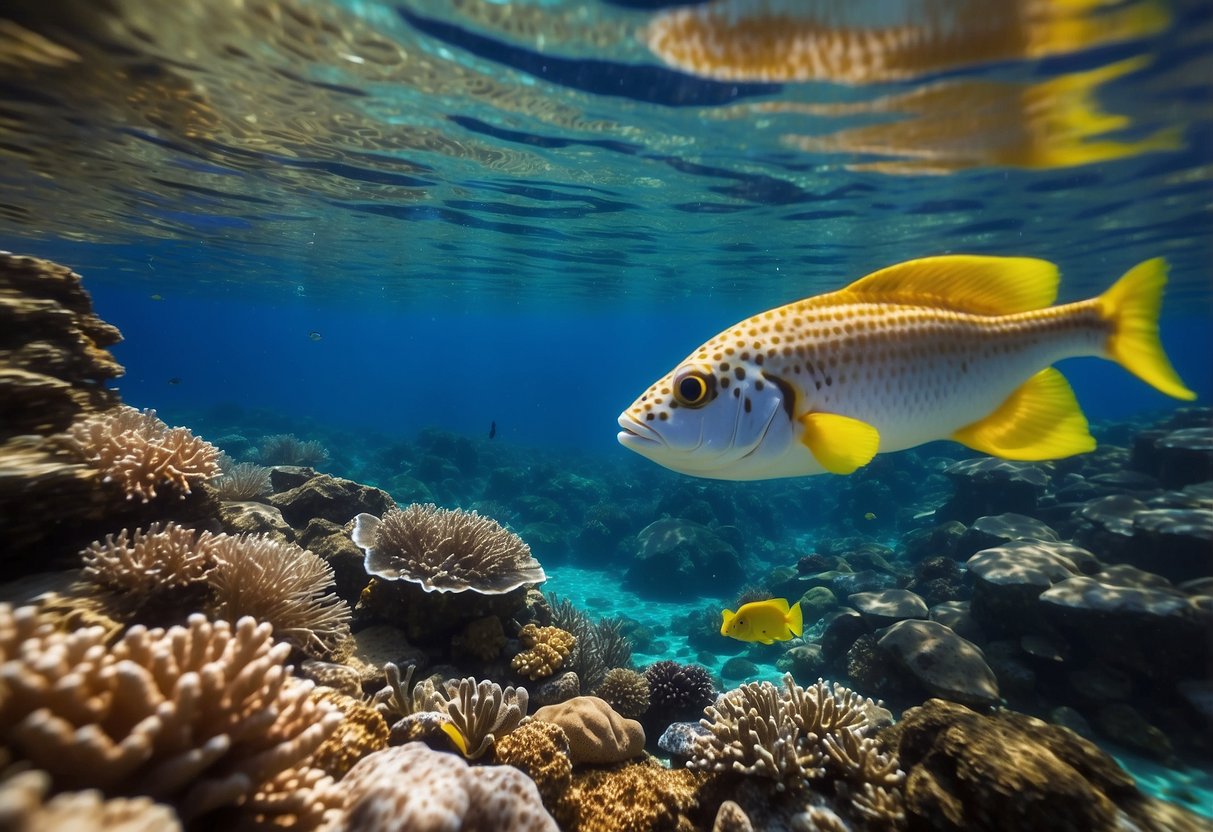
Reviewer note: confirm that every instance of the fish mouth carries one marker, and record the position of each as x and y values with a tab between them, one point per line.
636	436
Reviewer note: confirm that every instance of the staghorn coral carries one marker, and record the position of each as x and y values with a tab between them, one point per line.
626	691
243	481
445	550
288	449
140	453
479	711
144	564
362	731
413	787
198	716
24	808
284	585
791	734
545	653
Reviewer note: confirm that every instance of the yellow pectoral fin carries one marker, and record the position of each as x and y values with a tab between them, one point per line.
456	737
1040	420
839	443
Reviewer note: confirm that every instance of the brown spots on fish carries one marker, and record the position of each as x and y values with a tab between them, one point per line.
739	372
748	406
758	359
663	416
724	381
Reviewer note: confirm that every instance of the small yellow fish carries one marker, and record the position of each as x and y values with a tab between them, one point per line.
764	621
956	347
869	515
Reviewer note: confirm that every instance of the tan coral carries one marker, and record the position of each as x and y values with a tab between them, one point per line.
596	733
284	585
479	711
24	808
299	799
363	731
541	751
445	550
147	563
141	453
198	716
546	650
482	639
638	797
339	677
413	787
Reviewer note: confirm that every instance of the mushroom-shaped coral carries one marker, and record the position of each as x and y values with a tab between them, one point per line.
284	585
626	691
415	788
198	716
546	650
143	564
596	734
446	550
141	453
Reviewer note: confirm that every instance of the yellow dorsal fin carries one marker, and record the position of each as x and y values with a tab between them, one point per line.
839	443
1132	305
1040	420
795	620
963	283
781	604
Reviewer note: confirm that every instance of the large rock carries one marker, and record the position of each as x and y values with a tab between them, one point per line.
331	498
1007	771
1176	457
945	664
880	609
994	529
677	558
1173	541
992	486
1152	631
1008	579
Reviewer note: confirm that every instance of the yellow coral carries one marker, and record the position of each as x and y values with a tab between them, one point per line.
640	797
541	751
362	732
547	648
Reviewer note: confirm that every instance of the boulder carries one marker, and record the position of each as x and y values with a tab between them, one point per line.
991	486
942	662
880	609
675	558
331	498
254	518
1008	579
995	529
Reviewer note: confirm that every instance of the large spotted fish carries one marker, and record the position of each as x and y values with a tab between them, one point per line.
955	347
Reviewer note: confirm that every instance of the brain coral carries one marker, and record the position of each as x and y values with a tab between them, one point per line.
141	453
415	788
445	550
546	650
596	734
284	585
145	564
198	716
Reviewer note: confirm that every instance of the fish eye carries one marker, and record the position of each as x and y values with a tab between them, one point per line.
692	387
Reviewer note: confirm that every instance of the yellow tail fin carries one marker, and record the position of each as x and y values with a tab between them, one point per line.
1132	306
795	620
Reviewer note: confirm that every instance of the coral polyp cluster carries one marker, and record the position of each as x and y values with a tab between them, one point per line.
140	453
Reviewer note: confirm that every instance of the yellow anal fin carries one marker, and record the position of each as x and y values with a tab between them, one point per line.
1133	305
963	283
1040	420
839	443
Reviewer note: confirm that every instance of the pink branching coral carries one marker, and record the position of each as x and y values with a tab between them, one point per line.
146	563
141	453
199	716
282	584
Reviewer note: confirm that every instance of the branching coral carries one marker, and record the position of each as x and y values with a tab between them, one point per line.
480	712
243	481
284	585
144	564
400	698
141	453
22	809
546	650
288	449
792	734
198	716
445	550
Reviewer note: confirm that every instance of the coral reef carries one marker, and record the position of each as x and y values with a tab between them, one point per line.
478	711
601	644
243	481
596	733
197	716
481	639
284	585
362	731
637	797
146	564
140	453
677	693
541	751
24	807
288	449
444	550
545	650
412	787
625	690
